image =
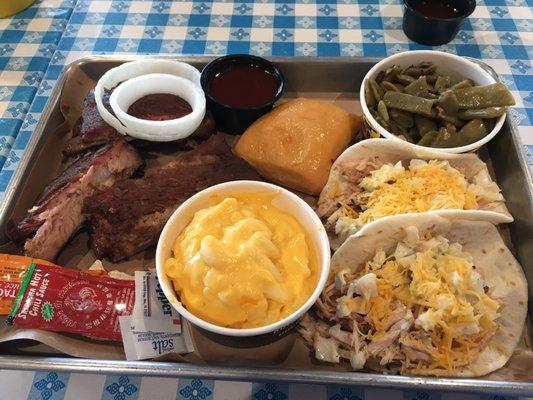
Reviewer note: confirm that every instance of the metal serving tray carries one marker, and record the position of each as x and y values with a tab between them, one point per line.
327	77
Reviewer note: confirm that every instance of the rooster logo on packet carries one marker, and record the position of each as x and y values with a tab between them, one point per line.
85	300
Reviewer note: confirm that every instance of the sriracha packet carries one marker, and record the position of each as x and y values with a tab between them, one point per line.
63	300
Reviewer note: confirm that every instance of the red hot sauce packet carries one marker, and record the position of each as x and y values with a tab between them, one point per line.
64	300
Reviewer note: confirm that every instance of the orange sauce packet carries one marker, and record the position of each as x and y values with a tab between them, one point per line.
12	271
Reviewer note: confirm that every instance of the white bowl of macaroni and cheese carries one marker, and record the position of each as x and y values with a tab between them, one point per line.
243	258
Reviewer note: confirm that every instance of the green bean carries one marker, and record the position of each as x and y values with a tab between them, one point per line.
420	69
482	113
489	124
432	113
448	102
402	118
404	79
425	64
472	132
446	138
376	90
450	127
417	88
397	129
495	95
369	96
382	110
424	125
389	86
413	134
452	119
432	79
420	105
392	73
442	83
379	120
406	102
428	139
467	83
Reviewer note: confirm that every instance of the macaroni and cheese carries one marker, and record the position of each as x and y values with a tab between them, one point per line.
243	263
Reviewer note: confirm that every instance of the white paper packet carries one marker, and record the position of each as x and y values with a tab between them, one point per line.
155	327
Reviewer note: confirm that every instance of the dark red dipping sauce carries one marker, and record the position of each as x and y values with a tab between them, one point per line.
243	86
160	107
444	9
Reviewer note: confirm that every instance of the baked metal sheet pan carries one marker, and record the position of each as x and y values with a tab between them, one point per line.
337	78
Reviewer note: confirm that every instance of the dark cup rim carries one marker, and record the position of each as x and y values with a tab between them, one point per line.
243	58
471	6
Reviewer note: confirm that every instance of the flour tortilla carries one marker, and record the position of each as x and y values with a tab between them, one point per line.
494	262
391	151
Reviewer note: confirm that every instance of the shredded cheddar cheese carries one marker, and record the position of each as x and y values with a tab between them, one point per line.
423	186
438	283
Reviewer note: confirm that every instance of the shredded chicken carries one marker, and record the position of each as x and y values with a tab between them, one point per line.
369	319
401	315
341	336
325	309
367	189
390	354
379	344
417	347
350	175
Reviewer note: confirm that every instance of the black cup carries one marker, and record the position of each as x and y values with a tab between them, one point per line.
430	29
230	119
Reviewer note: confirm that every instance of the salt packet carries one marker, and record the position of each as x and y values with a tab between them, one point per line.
154	328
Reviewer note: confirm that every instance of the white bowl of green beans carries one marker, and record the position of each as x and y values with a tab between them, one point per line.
434	99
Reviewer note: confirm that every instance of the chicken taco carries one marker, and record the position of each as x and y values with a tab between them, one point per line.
377	178
421	294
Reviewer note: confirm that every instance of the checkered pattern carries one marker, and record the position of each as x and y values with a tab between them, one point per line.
28	41
499	32
65	386
39	39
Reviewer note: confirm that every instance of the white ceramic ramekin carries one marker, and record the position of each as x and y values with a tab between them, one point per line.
285	201
458	68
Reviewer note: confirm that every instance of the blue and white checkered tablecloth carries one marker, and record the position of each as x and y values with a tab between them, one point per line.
39	39
28	41
499	32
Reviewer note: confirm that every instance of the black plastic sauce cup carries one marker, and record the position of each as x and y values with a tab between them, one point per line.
432	30
232	119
